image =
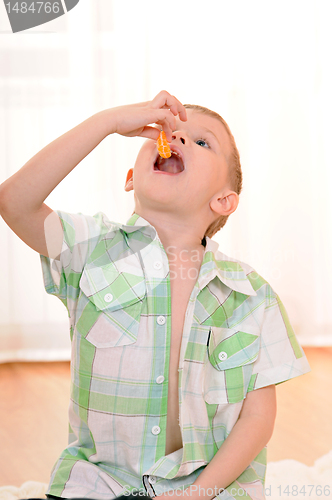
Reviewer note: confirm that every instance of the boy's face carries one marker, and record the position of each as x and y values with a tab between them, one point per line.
193	181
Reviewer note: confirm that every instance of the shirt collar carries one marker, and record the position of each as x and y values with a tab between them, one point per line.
228	270
134	223
214	264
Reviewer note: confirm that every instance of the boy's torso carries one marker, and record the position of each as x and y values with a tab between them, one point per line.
125	305
183	279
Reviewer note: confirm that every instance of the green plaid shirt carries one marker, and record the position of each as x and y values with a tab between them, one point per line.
114	281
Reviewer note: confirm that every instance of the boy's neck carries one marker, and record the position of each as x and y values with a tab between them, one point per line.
176	235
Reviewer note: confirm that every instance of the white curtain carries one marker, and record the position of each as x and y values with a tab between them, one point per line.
264	66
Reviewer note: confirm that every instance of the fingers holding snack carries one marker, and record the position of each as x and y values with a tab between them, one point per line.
138	119
166	100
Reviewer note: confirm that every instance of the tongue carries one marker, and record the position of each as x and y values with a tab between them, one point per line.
172	165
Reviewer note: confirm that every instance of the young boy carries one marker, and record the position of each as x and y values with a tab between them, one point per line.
176	349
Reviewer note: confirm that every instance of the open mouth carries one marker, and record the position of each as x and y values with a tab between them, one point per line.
172	165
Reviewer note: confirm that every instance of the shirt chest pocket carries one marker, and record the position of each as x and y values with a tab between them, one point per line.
231	354
111	306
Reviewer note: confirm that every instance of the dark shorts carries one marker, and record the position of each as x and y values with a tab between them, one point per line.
121	497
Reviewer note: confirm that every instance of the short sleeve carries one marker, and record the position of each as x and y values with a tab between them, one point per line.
281	357
81	234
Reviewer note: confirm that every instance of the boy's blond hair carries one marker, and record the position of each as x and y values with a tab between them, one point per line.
234	173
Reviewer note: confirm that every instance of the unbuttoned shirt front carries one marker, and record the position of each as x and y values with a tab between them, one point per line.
114	281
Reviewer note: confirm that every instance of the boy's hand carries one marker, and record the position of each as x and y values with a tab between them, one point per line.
134	120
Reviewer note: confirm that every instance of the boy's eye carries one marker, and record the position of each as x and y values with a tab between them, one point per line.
203	143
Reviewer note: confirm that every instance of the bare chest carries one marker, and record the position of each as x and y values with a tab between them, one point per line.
180	293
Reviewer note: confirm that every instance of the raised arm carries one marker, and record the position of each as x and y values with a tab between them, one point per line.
22	195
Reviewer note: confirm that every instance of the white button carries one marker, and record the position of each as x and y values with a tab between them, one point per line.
157	264
161	320
152	479
160	379
222	356
155	430
108	297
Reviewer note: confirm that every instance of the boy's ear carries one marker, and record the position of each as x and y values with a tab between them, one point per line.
129	185
225	203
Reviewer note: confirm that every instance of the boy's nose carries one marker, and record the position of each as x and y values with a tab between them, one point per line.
182	139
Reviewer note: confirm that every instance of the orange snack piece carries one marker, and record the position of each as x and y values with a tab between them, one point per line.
163	146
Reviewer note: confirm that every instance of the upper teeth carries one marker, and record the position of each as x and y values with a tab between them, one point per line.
174	153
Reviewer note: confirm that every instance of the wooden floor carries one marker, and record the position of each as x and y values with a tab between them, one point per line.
34	405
